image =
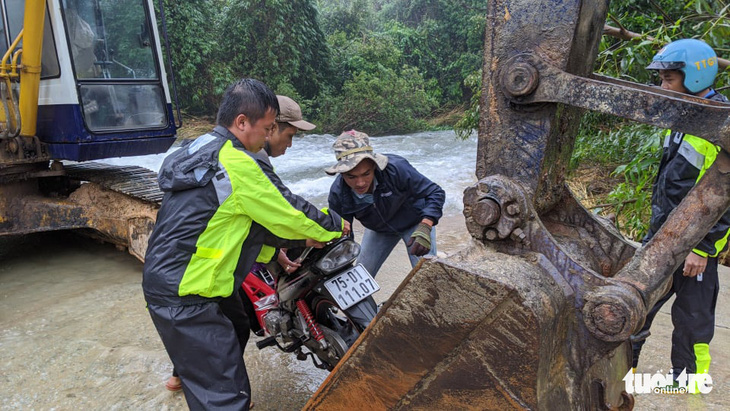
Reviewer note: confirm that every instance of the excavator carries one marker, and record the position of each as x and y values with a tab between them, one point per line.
81	80
536	313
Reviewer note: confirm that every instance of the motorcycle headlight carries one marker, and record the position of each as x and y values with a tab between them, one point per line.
341	255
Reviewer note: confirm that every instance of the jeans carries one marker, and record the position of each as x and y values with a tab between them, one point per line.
376	247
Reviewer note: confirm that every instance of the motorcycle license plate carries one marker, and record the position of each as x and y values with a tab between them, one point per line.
351	286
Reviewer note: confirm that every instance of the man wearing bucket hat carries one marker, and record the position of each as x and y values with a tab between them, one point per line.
391	199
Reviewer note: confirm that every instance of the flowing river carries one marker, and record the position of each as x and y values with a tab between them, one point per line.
439	155
74	332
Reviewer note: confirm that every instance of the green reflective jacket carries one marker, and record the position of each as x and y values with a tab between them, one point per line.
221	204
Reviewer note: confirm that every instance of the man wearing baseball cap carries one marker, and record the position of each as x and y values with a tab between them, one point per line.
391	199
289	122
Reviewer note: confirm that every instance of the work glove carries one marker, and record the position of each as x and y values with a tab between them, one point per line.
420	241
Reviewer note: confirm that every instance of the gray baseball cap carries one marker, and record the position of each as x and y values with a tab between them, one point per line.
351	147
290	112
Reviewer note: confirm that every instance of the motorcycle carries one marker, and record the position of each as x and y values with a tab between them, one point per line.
324	305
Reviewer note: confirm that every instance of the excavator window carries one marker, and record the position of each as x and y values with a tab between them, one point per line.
49	57
117	74
14	11
13	14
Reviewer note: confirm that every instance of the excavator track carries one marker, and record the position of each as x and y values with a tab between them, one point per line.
116	204
133	181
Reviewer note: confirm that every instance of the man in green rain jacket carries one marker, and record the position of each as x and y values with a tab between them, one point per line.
220	207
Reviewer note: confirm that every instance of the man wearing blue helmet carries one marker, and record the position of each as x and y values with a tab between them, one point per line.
687	66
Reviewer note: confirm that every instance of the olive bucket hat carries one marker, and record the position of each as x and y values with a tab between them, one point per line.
351	147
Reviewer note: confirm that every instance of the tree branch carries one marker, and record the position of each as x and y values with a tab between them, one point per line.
623	34
660	10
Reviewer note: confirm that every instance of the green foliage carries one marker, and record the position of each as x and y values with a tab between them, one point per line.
277	41
424	49
601	140
444	41
323	51
199	76
350	17
470	121
378	102
637	150
374	89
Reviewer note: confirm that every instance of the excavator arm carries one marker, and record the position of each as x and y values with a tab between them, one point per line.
537	312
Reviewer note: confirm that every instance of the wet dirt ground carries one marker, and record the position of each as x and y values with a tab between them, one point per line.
74	334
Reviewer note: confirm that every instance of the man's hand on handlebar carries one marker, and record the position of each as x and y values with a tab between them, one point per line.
346	229
284	261
315	243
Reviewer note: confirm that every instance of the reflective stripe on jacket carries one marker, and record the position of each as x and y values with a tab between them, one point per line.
221	204
402	198
685	160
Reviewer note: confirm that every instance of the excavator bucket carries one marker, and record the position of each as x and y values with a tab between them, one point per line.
538	311
480	331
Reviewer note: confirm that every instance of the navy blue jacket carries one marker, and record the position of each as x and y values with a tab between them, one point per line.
402	198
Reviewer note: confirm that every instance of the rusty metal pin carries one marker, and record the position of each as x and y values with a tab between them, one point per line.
486	212
520	80
611	312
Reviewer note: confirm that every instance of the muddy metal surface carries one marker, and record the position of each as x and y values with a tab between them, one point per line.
74	334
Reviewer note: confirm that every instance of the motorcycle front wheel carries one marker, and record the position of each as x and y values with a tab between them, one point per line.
337	348
328	314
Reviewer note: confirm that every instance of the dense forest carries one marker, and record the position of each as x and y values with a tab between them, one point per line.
400	66
380	66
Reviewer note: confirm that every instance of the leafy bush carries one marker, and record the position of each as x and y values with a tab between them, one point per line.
278	42
192	47
378	103
632	198
470	120
636	148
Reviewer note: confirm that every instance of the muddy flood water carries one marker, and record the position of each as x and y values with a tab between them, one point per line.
75	334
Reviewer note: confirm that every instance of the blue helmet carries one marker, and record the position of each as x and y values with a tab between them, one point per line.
694	58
